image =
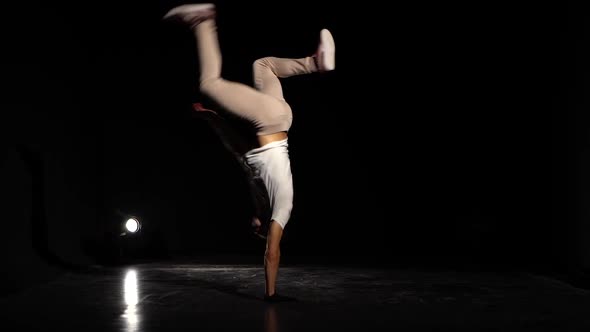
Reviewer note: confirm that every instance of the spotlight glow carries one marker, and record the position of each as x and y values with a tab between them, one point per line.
130	288
132	225
131	296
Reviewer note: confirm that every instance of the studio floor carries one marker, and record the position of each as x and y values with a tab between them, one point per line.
197	296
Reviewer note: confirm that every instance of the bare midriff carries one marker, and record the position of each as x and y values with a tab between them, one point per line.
266	139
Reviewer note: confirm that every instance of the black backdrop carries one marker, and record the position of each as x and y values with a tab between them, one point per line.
449	133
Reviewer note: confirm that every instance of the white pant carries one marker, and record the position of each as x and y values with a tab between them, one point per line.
272	164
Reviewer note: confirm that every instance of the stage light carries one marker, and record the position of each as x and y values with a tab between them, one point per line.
127	223
132	225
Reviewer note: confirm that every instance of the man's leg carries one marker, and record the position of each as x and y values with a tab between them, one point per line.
268	70
240	99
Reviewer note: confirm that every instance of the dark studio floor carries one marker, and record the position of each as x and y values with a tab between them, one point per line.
201	296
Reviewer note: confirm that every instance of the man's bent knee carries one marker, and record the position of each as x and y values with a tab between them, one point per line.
207	86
